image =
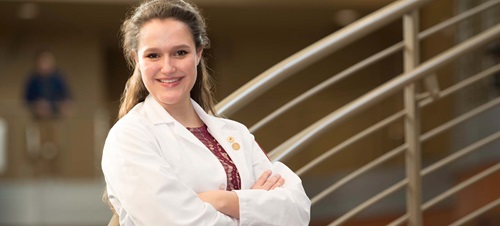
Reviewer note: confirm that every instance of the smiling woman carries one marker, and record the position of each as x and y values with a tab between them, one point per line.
167	161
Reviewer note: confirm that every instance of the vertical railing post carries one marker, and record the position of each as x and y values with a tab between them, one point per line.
412	121
3	145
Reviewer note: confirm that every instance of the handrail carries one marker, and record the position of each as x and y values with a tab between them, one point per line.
477	212
399	185
450	192
423	138
327	83
462	84
476	111
460	17
378	161
460	153
369	61
304	137
395	187
462	185
313	53
399	115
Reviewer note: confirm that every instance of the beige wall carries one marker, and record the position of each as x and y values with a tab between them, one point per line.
79	56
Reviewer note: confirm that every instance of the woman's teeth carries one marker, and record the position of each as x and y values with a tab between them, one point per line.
170	80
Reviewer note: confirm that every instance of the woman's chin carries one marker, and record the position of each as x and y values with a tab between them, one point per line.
170	100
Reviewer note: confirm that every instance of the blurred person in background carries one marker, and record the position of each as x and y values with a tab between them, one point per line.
46	92
48	99
167	161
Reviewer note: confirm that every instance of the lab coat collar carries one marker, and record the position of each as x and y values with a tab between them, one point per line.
158	115
155	112
210	120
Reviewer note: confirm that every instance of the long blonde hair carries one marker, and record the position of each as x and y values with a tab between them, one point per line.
181	10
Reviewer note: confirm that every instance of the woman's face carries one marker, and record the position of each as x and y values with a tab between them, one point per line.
167	58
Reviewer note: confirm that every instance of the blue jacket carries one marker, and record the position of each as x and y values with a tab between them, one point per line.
51	88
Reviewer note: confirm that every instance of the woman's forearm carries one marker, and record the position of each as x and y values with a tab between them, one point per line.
225	202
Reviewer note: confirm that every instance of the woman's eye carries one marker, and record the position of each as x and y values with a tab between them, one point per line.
152	55
180	53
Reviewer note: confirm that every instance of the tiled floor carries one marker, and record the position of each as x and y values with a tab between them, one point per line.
52	202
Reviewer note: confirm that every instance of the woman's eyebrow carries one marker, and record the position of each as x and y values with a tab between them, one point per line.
181	46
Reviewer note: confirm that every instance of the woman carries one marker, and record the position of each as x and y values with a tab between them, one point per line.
168	162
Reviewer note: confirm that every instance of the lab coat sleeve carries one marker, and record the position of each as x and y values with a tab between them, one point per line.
143	185
285	205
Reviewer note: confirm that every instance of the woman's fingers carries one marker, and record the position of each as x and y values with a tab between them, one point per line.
280	182
271	181
262	179
268	182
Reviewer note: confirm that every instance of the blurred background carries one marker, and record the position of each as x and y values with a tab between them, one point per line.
57	180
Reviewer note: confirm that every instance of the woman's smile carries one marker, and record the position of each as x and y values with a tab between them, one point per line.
170	82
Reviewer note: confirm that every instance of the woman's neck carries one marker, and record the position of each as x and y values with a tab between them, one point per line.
185	114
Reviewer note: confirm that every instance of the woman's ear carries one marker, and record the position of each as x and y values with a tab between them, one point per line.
134	56
137	67
199	54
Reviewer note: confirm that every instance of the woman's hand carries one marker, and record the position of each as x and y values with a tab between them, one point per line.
227	202
223	201
268	182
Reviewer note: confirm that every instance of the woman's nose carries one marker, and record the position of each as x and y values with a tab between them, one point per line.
168	66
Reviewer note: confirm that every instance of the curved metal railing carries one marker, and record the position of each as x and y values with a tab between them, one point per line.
307	135
370	61
314	53
414	103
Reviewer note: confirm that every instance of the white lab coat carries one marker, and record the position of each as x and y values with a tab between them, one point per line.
154	168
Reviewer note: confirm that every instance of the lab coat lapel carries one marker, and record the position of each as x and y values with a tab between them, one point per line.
217	127
187	135
238	156
158	115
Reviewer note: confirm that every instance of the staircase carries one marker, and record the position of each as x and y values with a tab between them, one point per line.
418	143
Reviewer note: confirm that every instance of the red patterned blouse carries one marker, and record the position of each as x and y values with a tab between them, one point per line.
233	176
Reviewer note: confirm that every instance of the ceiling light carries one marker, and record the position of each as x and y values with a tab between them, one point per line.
28	11
345	17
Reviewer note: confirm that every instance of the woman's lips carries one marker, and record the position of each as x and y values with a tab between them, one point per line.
170	82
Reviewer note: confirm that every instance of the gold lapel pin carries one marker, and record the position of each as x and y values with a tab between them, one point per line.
236	146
